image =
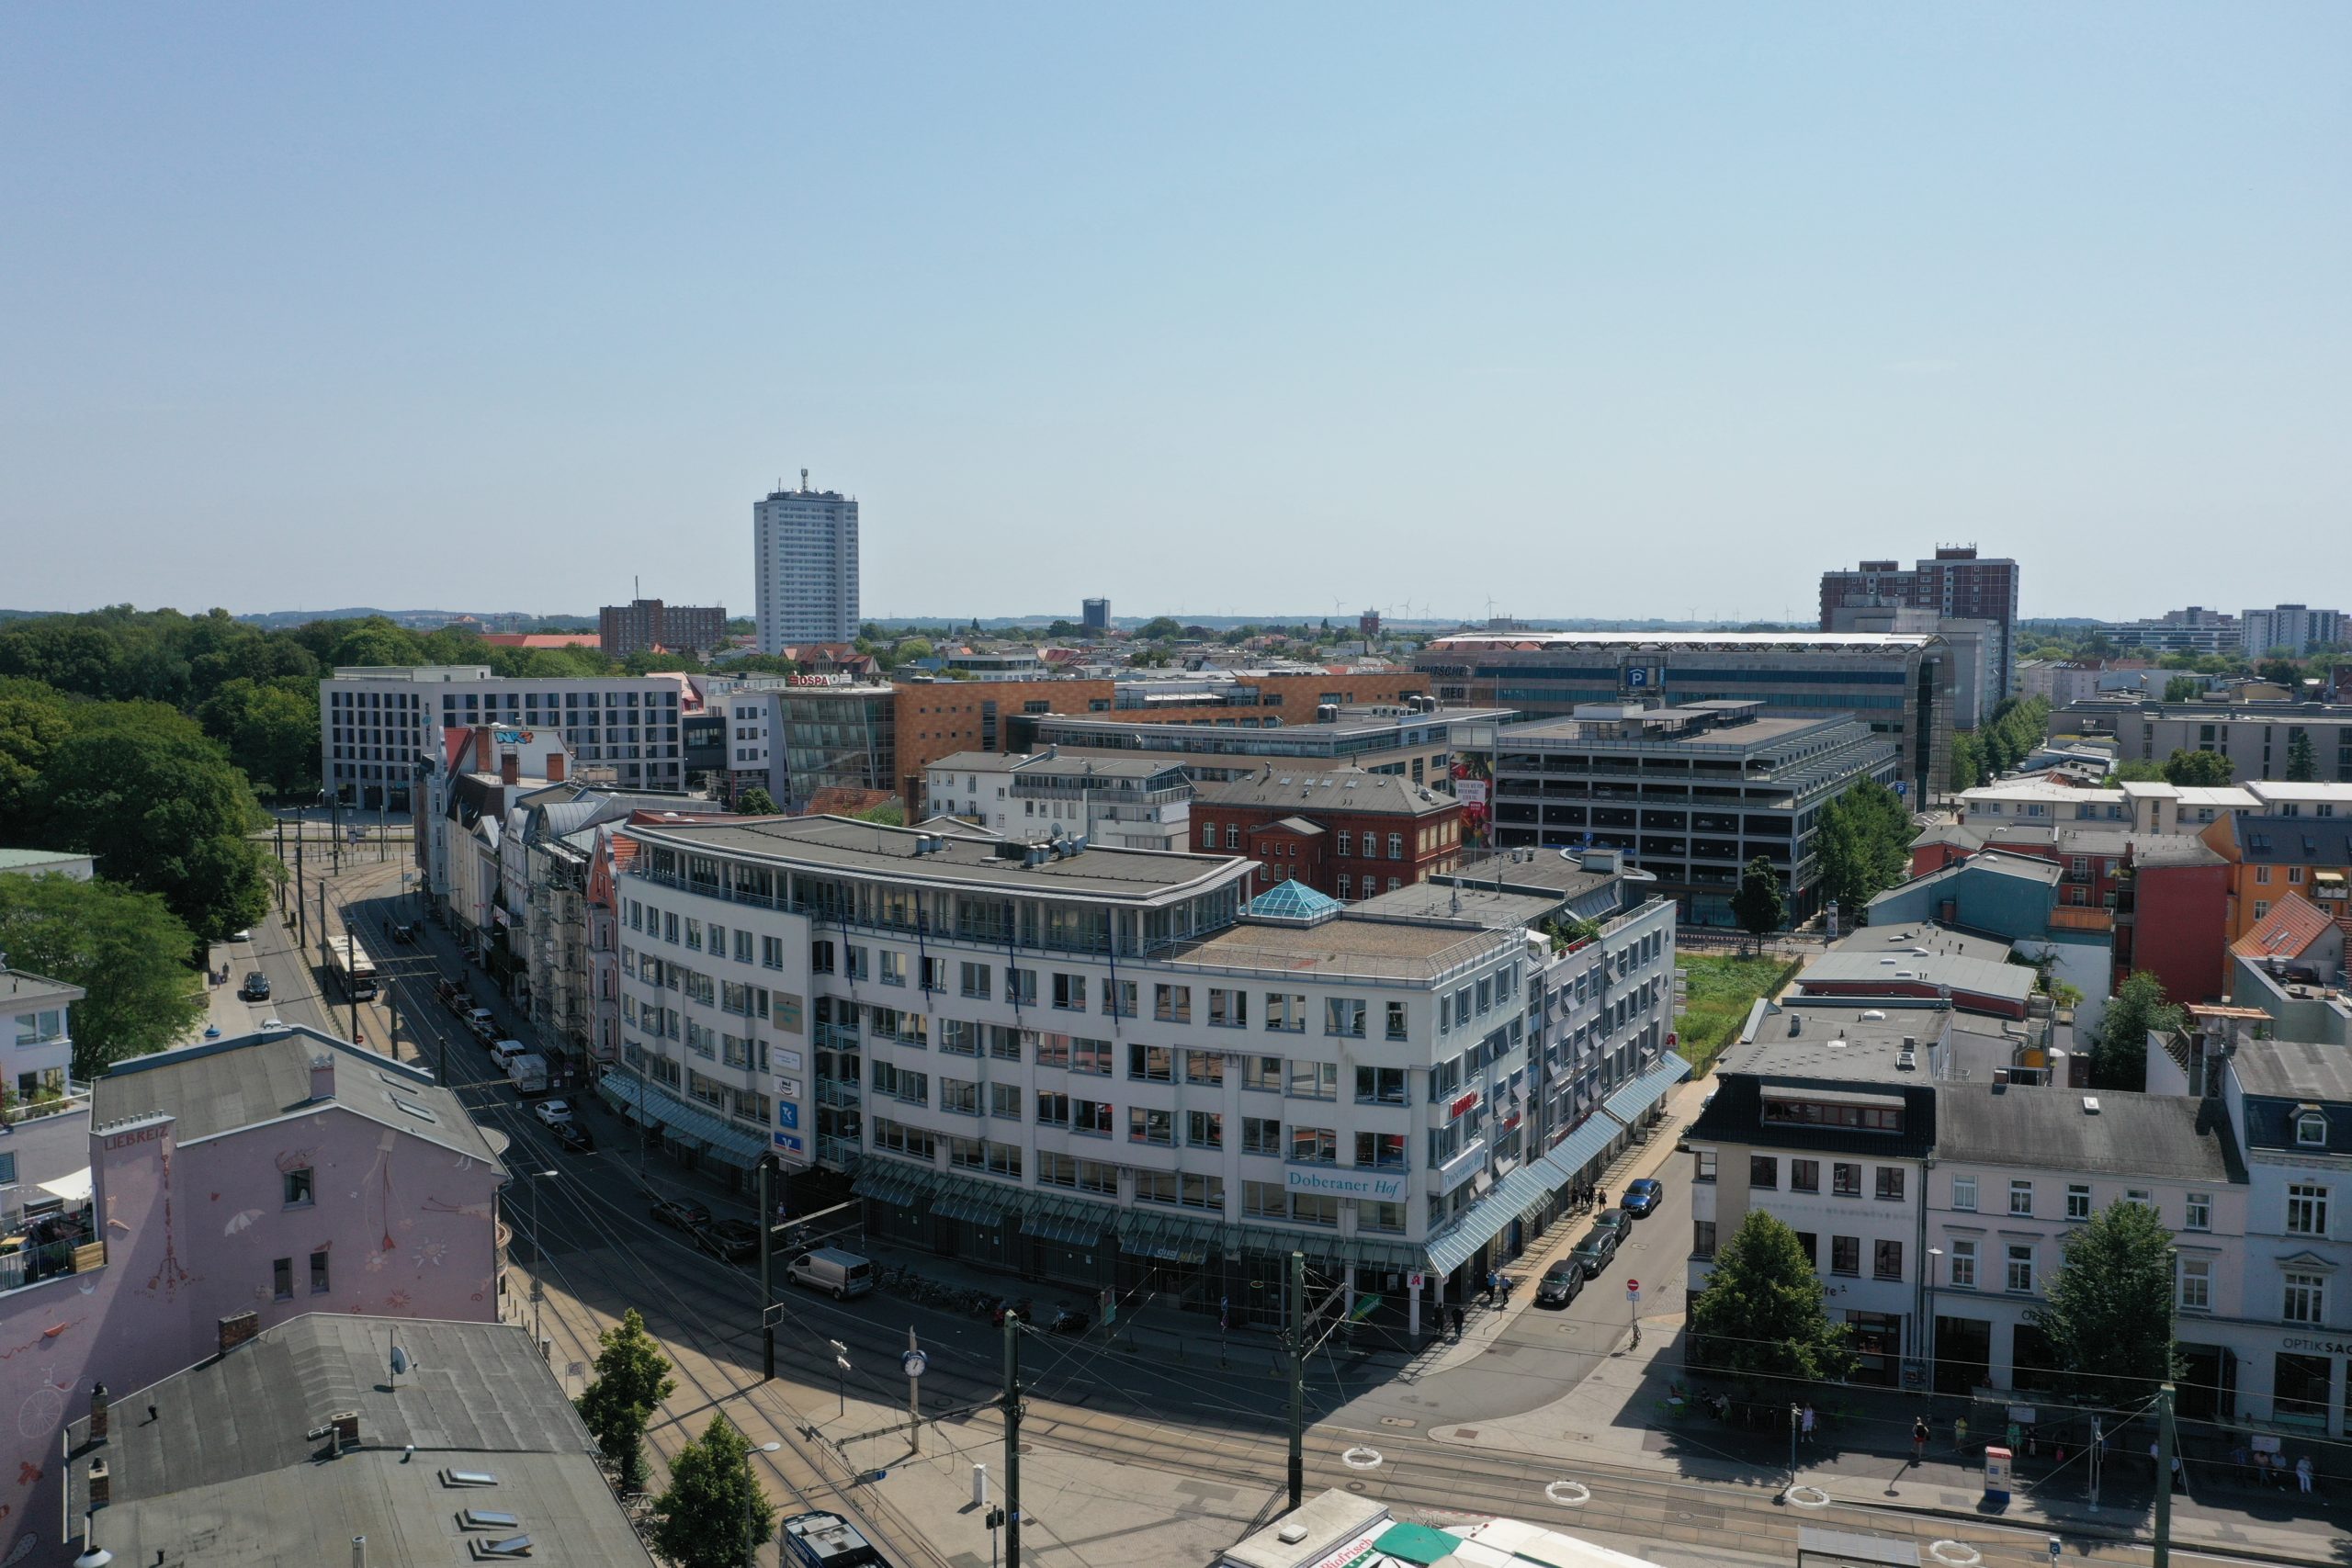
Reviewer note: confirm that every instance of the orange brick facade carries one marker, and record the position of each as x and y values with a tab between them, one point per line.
934	719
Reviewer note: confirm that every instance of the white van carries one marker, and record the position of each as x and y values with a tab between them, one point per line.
845	1274
504	1052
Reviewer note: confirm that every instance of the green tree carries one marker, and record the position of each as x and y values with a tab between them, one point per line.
1762	1312
632	1380
756	802
889	813
1160	628
912	648
2183	689
2281	667
2137	772
2193	769
1968	770
1759	906
2303	767
2120	1060
157	803
271	731
2107	1313
1863	838
122	947
34	720
714	1514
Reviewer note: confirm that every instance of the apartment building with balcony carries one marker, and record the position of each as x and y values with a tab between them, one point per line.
1100	1067
44	1114
2299	847
1122	802
1689	795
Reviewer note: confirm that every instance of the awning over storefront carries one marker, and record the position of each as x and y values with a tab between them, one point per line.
1485	1220
1171	1238
1636	1097
692	1123
74	1189
978	1208
1070	1222
1567	1158
900	1187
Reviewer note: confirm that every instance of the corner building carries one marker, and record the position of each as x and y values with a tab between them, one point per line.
1101	1069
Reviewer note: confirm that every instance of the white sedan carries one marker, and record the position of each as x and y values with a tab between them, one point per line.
552	1112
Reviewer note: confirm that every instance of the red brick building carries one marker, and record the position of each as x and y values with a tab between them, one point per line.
1344	832
2172	917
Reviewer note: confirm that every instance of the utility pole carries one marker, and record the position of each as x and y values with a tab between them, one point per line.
297	888
767	1277
1011	1440
913	1361
2163	1549
1297	1377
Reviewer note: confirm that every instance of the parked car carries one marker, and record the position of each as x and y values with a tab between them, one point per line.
1642	1197
1560	1286
1616	1220
573	1136
484	1023
240	936
554	1112
504	1050
733	1240
453	996
1593	1253
405	931
845	1274
683	1214
255	988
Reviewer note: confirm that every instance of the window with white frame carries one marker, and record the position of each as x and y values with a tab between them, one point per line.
2196	1285
2078	1201
2306	1209
1963	1194
2305	1298
2020	1274
1963	1265
2199	1215
2311	1129
2021	1197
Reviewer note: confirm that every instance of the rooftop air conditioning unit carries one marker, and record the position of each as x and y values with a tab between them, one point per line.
2090	1105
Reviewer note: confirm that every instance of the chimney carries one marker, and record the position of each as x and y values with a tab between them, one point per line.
555	775
358	1551
483	744
510	769
99	1417
346	1429
238	1327
321	1078
101	1485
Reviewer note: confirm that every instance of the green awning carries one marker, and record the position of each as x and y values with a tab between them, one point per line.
1417	1543
691	1122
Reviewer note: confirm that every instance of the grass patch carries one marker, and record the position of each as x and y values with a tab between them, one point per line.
1723	989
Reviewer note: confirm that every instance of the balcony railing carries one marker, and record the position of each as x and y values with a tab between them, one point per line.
16	1111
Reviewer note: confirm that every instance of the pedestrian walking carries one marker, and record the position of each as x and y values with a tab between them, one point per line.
1805	1423
1919	1440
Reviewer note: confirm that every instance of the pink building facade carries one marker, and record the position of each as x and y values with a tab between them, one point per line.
277	1174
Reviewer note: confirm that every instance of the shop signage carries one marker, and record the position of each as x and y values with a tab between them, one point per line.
1345	1183
1462	1104
843	679
787	1141
1461	1166
2323	1347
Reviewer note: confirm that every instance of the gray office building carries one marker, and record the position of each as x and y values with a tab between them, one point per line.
1688	795
1098	615
804	556
1899	685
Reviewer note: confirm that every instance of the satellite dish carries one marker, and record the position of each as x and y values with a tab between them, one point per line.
401	1361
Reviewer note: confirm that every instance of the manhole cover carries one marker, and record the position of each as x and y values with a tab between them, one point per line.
1398	1421
1355	1486
1466	1431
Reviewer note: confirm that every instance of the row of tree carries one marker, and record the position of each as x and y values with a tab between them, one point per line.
2009	736
2106	1313
713	1514
1863	838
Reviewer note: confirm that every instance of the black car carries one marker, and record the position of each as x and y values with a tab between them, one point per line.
255	988
1593	1253
405	933
574	1137
1562	1285
683	1214
1643	1197
732	1240
1617	1220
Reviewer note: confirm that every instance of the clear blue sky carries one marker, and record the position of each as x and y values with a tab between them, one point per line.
1594	310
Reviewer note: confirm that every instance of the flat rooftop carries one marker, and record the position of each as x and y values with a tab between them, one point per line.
1838	1040
1657	735
1480	906
1971	976
1838	642
1542	871
1348	945
847	846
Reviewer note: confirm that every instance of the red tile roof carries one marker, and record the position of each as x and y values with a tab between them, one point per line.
2287	931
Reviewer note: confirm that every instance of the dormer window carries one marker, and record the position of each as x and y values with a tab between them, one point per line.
2311	1129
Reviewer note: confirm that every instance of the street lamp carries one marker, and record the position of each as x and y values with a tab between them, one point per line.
754	1500
539	1251
1927	1338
